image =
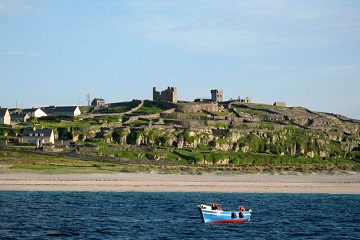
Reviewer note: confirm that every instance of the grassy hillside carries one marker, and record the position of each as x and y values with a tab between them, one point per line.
158	136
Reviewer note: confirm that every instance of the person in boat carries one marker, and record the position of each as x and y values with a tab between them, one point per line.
215	207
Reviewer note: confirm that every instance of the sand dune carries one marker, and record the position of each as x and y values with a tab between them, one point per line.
153	182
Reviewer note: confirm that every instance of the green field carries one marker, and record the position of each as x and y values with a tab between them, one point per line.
12	161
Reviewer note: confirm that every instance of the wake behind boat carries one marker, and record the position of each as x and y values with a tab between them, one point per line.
213	214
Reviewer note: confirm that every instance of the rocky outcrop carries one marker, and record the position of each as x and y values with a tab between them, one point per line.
256	128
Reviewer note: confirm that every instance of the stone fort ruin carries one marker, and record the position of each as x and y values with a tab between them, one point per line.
216	95
168	95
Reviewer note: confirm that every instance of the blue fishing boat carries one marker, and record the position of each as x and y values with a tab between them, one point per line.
213	214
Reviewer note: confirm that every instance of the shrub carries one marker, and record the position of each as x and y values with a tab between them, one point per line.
131	138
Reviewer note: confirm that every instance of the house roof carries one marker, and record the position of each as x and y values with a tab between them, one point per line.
15	110
45	131
99	99
51	110
19	116
29	110
3	111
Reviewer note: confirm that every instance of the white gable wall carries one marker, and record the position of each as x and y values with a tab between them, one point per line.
6	119
39	113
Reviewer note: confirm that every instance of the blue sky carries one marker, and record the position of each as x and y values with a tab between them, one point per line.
306	53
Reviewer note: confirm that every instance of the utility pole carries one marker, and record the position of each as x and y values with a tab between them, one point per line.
88	99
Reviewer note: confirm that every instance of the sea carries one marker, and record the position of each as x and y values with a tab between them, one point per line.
159	215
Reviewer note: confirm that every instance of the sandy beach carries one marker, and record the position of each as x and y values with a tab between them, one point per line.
153	182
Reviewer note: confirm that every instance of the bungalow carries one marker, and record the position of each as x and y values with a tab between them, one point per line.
97	102
5	116
70	111
21	117
38	136
281	104
34	112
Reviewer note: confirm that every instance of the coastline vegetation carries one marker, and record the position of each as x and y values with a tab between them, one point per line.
122	138
26	160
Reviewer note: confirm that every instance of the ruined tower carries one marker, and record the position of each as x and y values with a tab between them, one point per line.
168	95
216	95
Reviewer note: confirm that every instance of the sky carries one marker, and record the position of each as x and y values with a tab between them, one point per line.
305	53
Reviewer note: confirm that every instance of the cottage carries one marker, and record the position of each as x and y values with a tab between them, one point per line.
70	111
5	116
280	104
21	117
97	102
38	136
34	112
246	100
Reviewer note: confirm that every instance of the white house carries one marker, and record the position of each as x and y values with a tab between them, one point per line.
5	116
70	111
34	112
21	117
38	136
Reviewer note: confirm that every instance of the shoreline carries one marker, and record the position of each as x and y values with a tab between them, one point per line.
210	182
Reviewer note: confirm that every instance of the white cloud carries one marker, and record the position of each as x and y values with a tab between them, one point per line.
15	7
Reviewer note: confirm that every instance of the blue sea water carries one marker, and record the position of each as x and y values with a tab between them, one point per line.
135	215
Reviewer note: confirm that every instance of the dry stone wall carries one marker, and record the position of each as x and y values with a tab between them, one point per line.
191	108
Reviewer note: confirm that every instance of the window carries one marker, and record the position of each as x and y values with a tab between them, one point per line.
30	134
41	134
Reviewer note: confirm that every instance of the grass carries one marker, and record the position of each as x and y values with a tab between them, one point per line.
13	161
225	112
146	110
250	111
57	124
27	160
116	109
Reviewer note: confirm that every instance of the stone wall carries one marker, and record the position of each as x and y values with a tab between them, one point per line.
187	108
184	116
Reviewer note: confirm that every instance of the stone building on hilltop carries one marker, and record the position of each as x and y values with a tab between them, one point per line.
216	95
97	101
243	100
280	104
168	95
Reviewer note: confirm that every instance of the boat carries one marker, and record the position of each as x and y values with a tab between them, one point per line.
213	214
